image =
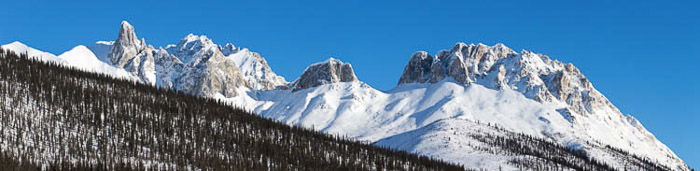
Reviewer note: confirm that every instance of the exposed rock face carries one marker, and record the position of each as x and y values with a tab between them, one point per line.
535	75
127	45
254	69
229	49
463	63
143	65
194	49
206	71
133	55
327	72
195	65
168	69
418	68
216	75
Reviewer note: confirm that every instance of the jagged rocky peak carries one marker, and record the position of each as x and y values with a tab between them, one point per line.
126	46
498	67
195	42
202	67
418	69
327	72
133	55
213	76
194	47
254	68
462	63
209	69
229	49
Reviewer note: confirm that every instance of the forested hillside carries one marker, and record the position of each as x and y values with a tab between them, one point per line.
53	117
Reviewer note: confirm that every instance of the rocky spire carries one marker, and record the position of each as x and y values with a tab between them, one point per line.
194	49
127	45
418	68
133	55
327	72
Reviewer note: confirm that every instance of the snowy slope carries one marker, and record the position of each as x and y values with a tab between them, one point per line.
357	110
549	82
452	139
21	48
83	58
79	57
254	69
518	100
488	146
101	50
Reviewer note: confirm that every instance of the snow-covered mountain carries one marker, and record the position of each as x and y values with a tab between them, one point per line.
31	52
458	89
588	114
254	68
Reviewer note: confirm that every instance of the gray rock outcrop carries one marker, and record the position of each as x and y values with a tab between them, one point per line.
327	72
205	70
195	65
498	67
127	45
133	55
254	68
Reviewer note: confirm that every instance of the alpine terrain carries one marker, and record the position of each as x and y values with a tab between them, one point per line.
480	106
54	117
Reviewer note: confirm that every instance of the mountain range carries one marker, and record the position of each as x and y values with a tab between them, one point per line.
443	105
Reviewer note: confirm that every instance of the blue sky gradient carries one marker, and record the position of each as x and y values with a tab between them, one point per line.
644	56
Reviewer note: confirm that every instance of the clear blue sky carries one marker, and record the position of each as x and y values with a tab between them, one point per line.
644	56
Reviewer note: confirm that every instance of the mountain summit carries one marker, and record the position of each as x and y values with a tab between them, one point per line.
499	67
127	45
550	82
463	63
133	55
194	65
326	72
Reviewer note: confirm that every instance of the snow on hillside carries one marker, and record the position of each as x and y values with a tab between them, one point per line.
83	58
489	147
80	57
357	110
254	69
448	139
101	50
545	81
21	48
